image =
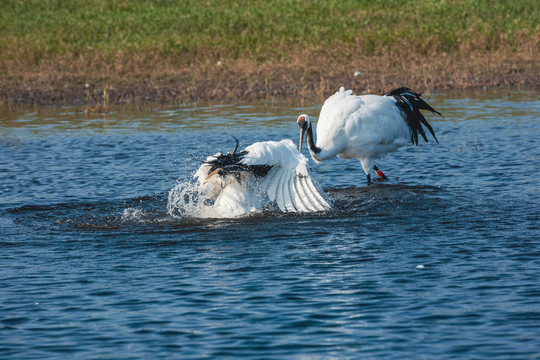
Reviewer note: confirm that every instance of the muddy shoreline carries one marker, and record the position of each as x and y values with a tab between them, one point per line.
98	89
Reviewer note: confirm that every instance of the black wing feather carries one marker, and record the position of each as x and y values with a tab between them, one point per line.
409	103
230	163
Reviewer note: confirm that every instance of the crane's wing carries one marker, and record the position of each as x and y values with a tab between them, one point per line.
288	183
293	192
409	104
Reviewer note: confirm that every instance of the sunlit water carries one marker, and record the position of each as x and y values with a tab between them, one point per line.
440	261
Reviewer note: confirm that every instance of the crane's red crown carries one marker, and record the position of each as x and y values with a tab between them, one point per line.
302	119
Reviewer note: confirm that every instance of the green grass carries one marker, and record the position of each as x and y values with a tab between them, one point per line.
184	32
135	50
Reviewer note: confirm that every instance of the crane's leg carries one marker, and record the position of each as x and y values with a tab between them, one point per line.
368	179
379	172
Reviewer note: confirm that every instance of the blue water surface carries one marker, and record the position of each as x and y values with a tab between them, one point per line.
442	260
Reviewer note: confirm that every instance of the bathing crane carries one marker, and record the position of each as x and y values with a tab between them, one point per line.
263	173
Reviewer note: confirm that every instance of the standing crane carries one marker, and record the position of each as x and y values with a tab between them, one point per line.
366	127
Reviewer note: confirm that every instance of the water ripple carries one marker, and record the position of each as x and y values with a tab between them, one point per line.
440	261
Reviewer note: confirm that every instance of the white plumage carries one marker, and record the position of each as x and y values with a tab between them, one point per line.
365	127
262	174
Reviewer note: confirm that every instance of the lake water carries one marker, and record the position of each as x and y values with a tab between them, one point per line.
442	260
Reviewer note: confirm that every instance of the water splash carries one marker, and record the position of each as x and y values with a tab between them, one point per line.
132	214
183	200
235	200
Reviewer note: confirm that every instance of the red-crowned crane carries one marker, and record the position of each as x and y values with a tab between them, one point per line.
270	172
366	127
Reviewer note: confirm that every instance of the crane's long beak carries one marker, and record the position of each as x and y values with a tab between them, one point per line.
301	139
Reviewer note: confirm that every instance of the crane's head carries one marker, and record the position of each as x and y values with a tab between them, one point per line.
303	124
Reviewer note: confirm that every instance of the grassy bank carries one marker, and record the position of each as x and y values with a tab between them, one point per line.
77	51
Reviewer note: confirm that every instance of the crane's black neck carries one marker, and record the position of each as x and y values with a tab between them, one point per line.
310	142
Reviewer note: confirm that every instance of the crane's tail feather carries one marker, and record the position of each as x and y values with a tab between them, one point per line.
410	103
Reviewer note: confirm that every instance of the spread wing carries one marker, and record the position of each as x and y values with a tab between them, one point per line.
274	171
293	192
288	182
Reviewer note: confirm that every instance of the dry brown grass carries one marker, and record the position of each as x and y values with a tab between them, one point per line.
95	82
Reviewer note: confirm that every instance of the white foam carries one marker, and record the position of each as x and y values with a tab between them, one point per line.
132	214
233	200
